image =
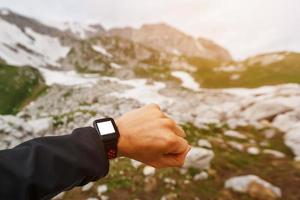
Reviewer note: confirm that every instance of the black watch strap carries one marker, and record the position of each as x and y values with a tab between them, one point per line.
111	149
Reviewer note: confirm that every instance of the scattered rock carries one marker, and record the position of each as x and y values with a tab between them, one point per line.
269	133
170	196
169	181
204	143
201	176
148	171
135	163
253	150
198	158
235	123
41	126
101	189
260	192
87	187
235	134
236	145
275	153
254	186
59	196
104	197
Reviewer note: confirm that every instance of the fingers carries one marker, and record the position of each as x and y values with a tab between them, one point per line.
153	106
180	146
175	160
171	124
179	131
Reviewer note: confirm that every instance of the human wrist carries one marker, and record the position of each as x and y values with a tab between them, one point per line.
122	143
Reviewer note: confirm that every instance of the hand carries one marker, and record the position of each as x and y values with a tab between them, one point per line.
149	136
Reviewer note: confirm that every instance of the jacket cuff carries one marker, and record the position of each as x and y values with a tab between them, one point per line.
94	146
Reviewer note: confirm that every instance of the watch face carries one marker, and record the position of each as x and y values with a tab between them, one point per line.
105	127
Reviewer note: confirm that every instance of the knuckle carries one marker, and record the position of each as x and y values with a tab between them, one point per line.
154	106
169	140
158	113
169	123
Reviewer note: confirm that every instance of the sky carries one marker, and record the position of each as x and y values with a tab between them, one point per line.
245	27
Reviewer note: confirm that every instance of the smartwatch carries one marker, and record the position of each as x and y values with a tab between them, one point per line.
108	131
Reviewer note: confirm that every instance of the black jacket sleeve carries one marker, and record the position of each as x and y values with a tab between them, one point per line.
43	167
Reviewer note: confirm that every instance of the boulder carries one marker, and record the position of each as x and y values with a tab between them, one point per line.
290	124
292	140
253	186
148	171
198	158
265	110
287	121
40	126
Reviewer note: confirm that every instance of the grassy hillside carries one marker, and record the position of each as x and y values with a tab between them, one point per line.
18	86
267	69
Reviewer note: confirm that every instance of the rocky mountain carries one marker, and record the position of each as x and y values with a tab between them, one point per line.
28	34
245	141
170	40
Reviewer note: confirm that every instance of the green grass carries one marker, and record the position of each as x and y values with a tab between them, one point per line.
255	74
18	86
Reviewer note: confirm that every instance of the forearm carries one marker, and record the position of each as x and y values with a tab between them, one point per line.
42	167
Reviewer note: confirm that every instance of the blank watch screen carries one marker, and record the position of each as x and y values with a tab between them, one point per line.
105	128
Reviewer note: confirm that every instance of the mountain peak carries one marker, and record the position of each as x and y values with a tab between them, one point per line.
163	37
160	25
5	11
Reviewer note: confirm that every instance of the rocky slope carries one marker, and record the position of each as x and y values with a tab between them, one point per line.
233	132
168	39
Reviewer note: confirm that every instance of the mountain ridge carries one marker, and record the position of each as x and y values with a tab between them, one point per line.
171	40
69	31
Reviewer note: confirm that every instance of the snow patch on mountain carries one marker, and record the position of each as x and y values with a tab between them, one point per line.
81	30
68	78
4	11
28	47
186	79
101	50
115	65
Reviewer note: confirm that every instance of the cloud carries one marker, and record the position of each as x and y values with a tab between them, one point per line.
245	27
